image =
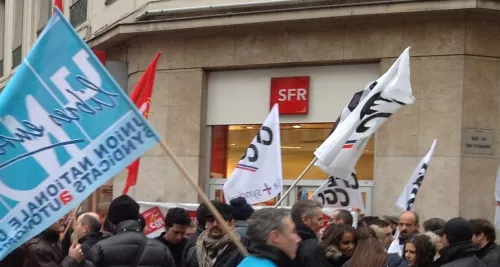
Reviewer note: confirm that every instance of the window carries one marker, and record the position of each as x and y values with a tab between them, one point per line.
298	143
45	9
17	41
2	34
78	12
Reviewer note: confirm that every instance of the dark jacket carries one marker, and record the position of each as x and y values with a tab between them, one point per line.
175	249
229	258
127	245
309	253
461	254
44	250
191	242
335	257
490	255
393	260
15	258
88	241
265	252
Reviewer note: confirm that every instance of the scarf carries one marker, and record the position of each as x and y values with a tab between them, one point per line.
208	248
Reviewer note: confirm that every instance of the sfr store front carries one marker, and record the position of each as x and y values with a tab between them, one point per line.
310	99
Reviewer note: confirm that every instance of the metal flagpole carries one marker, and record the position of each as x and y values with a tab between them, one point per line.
296	181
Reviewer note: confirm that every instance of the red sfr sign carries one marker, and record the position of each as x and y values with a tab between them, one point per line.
291	93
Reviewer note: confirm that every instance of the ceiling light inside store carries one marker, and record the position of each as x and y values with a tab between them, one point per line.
297	126
249	127
233	144
291	147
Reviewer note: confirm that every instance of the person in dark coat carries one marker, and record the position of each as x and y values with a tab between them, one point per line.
458	250
15	258
308	218
88	231
176	223
483	237
129	246
274	242
214	247
241	211
44	250
201	213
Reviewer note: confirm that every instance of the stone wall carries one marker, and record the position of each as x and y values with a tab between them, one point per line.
455	72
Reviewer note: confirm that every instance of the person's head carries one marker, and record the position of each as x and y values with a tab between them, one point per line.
379	233
191	230
87	223
483	232
435	225
456	230
273	227
386	228
369	250
213	226
419	251
393	221
241	209
340	236
123	208
142	222
436	242
107	226
408	224
201	213
309	214
177	222
341	216
367	220
58	226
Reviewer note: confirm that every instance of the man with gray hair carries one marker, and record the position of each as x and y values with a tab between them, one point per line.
308	218
273	240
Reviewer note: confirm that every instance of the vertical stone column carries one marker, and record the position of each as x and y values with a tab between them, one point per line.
408	135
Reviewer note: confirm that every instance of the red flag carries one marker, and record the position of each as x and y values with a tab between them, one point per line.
58	4
141	96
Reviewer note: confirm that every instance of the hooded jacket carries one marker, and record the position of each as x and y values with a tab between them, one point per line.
309	253
460	254
44	250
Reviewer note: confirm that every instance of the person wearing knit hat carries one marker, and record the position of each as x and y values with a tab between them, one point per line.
241	211
129	246
214	247
458	250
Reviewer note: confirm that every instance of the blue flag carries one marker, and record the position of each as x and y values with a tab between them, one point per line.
66	127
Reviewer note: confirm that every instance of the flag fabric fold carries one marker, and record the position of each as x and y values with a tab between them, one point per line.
258	176
58	4
386	95
407	198
141	97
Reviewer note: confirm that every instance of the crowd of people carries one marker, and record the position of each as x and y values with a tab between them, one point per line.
272	237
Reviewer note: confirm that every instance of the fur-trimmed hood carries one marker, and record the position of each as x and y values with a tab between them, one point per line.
334	256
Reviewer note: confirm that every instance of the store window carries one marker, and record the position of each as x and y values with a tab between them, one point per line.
17	41
298	143
78	12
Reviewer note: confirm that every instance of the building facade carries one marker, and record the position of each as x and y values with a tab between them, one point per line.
213	88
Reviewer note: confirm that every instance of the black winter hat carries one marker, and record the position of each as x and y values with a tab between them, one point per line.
123	208
224	209
241	209
458	230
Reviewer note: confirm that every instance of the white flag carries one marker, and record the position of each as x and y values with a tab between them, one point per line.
258	176
387	94
342	181
407	198
497	198
340	193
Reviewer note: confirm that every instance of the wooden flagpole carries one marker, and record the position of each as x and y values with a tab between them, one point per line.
205	198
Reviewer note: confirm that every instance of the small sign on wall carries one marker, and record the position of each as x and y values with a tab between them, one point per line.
291	93
478	141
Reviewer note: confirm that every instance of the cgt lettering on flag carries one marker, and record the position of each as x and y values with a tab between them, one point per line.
258	174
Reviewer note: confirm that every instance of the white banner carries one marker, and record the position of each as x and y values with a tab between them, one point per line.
407	198
258	176
340	193
387	94
497	199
